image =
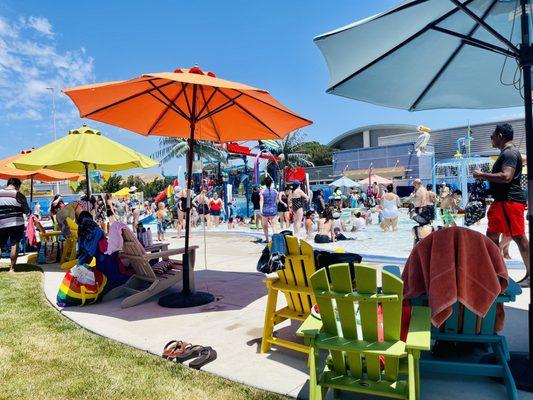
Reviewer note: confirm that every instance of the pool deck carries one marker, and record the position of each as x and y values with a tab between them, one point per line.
233	325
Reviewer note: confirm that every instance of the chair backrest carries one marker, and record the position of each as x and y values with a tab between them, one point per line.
133	250
72	227
338	301
299	266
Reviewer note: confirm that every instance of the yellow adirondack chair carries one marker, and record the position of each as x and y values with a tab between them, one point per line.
68	257
293	282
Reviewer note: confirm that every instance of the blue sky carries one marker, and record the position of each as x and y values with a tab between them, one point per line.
265	44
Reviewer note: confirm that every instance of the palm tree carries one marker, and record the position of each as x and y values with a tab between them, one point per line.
171	148
288	150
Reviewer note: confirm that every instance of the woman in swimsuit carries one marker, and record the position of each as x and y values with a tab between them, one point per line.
326	227
268	206
283	209
216	204
298	199
201	203
389	205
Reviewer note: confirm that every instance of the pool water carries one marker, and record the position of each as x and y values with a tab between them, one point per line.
373	241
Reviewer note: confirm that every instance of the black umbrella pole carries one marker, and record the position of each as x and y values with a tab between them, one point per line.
187	298
521	364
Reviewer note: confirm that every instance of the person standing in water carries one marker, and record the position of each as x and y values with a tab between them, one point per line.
506	213
283	208
389	205
298	198
268	205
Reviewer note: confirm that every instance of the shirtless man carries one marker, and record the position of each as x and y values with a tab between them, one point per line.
419	196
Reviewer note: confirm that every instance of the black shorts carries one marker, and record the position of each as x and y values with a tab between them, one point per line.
12	235
216	213
322	239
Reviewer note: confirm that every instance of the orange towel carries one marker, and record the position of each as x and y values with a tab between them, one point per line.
456	264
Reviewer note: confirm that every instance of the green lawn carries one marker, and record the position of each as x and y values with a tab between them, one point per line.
43	355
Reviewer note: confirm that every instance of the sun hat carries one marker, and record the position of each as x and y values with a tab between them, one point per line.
133	189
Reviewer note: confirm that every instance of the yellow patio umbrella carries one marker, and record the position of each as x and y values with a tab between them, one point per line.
84	149
122	192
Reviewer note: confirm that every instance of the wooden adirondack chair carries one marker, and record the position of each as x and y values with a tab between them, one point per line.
146	283
68	257
47	236
293	282
354	349
464	326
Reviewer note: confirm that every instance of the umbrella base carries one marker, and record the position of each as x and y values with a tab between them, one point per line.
522	369
185	300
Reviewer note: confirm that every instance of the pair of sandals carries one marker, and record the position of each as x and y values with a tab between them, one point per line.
179	351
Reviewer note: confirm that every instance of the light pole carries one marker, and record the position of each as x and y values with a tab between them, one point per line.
52	90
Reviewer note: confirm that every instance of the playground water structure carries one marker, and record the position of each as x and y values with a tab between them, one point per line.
457	172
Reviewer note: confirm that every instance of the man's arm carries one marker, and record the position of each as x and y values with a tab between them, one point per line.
24	203
505	176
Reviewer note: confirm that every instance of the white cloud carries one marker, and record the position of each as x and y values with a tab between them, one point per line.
41	25
30	62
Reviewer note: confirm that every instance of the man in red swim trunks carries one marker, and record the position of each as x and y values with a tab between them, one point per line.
506	214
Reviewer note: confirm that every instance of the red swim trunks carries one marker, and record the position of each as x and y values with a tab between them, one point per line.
507	217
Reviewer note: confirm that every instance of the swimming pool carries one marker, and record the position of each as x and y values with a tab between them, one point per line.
374	244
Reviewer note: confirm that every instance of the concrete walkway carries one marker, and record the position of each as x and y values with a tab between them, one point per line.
233	325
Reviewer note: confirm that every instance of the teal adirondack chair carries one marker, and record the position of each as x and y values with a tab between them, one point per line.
462	326
353	363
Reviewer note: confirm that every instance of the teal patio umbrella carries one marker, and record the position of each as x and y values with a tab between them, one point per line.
431	54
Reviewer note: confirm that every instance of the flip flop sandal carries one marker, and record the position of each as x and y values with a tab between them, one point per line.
173	348
190	352
207	354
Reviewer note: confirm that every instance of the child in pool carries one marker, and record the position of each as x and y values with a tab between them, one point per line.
309	222
339	235
162	217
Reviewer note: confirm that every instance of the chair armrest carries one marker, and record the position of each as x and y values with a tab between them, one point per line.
52	233
419	335
166	253
269	281
310	328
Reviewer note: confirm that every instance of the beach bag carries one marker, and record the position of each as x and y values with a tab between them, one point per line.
53	252
81	285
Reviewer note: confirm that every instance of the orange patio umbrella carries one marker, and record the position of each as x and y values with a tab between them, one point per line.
191	104
7	170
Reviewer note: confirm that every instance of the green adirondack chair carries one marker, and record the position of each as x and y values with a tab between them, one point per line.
353	363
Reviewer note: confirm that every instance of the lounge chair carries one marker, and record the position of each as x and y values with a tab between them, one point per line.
358	361
463	326
47	236
145	283
293	282
69	254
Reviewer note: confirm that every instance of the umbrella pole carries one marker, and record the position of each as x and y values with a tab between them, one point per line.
31	191
521	364
188	297
87	179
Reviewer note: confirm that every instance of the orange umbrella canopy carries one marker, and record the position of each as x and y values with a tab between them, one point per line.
46	175
168	103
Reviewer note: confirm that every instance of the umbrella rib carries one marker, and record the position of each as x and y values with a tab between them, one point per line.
252	115
277	108
169	106
172	103
133	96
184	85
477	43
489	28
390	12
450	59
176	110
221	108
398	46
206	105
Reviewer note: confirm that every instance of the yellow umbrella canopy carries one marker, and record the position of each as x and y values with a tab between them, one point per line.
84	148
81	150
122	192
